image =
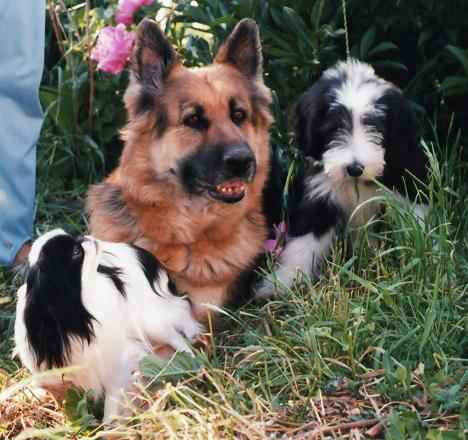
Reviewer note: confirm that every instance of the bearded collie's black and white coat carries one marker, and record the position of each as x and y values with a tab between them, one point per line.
356	127
99	306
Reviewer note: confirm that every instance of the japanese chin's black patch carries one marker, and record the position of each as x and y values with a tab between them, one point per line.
54	312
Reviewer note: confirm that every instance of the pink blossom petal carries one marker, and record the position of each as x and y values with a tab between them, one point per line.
127	8
282	228
113	49
270	245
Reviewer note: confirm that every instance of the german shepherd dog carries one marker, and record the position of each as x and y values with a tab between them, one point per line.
189	185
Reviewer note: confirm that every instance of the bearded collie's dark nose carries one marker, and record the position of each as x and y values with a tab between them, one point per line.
355	169
238	160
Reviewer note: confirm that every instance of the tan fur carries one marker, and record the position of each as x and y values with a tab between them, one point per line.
203	243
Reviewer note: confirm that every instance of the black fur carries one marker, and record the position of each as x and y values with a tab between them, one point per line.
272	205
328	215
405	161
145	102
54	314
241	291
111	199
114	274
150	266
311	115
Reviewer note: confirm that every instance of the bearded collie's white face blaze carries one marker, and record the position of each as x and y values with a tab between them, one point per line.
356	115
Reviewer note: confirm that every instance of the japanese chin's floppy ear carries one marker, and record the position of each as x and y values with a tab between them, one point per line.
39	243
54	313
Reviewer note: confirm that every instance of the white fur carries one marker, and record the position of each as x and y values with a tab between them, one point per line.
126	328
302	254
39	242
357	93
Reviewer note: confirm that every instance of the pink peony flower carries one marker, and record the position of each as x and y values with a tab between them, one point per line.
276	245
127	8
113	49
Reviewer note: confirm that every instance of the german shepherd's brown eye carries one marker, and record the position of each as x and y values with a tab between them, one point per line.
238	116
196	121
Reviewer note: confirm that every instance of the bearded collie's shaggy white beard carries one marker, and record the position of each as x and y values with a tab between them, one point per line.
358	129
100	307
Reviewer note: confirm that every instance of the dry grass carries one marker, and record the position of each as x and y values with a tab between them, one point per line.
375	349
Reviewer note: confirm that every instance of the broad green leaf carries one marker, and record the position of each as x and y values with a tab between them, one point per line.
461	55
383	47
366	43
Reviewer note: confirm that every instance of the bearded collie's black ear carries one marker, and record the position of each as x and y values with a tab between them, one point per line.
243	50
404	155
153	56
311	110
54	314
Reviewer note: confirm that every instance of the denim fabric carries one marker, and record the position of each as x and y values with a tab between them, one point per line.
21	61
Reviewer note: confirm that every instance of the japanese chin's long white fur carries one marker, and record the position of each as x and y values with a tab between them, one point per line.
358	129
99	306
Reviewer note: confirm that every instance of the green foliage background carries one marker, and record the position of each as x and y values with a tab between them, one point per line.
421	45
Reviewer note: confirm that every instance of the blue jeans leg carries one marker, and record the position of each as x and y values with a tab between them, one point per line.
21	62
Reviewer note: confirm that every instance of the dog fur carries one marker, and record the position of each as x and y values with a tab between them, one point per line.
99	307
161	196
357	129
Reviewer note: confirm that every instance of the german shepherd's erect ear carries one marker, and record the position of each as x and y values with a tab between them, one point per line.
243	50
153	56
152	60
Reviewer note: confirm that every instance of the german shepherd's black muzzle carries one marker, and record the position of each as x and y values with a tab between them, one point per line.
222	171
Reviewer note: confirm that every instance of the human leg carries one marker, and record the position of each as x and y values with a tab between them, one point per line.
21	55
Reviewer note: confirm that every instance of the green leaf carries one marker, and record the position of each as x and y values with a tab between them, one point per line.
453	85
316	14
390	64
295	23
401	374
81	408
366	42
460	55
403	425
383	47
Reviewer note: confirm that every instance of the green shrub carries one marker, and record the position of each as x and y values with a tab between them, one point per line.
420	45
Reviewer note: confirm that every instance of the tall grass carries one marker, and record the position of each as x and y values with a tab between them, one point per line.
379	341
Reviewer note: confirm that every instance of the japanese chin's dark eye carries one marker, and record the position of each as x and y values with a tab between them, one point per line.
77	251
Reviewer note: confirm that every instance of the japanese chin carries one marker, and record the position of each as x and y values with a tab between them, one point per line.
100	307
